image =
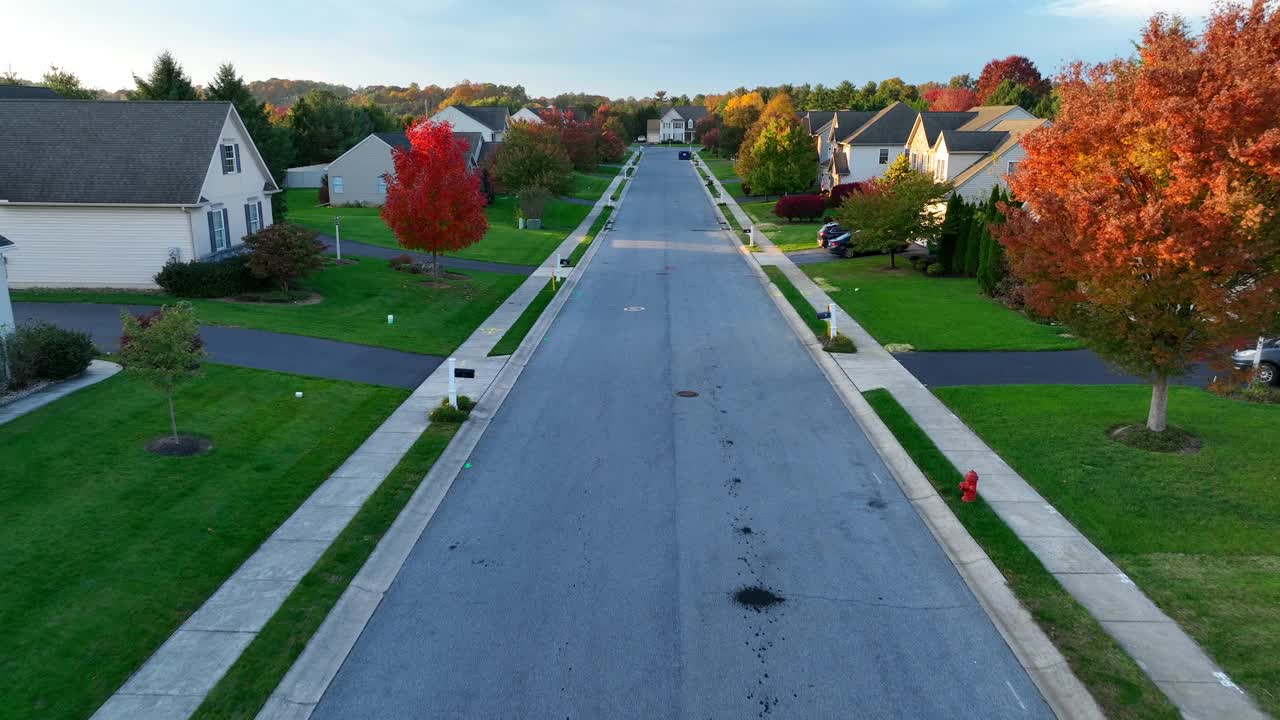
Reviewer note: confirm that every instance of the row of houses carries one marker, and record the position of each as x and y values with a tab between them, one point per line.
973	150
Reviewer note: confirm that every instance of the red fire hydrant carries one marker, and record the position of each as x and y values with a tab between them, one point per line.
969	487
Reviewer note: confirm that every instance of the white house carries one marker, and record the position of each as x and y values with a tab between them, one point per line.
526	114
359	176
678	122
975	180
839	126
7	324
305	176
102	194
490	121
865	152
930	127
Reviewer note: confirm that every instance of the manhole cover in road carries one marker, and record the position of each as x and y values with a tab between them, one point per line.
633	308
687	393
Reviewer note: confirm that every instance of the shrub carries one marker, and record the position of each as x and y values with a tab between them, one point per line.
284	253
936	268
446	413
398	262
803	207
47	352
842	191
533	200
323	196
208	278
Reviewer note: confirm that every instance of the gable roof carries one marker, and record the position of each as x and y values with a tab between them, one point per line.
493	117
890	126
108	152
847	122
487	151
1014	131
984	115
815	120
27	92
395	139
972	141
689	112
934	123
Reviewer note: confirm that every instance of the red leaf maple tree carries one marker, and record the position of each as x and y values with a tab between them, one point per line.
949	99
1150	221
435	202
1016	68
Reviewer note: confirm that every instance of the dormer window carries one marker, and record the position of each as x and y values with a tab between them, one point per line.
230	159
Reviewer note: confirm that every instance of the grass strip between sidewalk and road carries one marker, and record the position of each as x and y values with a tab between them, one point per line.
581	249
618	192
242	692
512	338
1113	678
842	343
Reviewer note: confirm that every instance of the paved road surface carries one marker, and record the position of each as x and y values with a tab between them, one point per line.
253	348
585	565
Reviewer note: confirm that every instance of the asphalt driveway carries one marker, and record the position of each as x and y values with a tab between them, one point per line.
252	348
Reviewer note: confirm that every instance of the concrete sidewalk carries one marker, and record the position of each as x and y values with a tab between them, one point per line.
1175	662
175	680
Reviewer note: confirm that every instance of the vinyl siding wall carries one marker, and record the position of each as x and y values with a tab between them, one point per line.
360	168
462	122
70	246
864	161
978	187
231	191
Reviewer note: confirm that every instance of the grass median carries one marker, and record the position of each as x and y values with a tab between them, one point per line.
1113	678
249	683
841	344
514	335
1198	532
106	548
581	249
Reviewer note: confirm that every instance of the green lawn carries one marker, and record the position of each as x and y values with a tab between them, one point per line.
515	334
242	692
357	300
804	308
904	306
590	186
581	249
504	242
734	188
617	192
1115	681
722	169
788	236
1199	533
105	548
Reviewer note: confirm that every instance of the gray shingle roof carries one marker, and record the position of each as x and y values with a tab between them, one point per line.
493	117
815	120
90	151
394	139
972	141
847	122
936	122
690	112
27	92
890	126
487	151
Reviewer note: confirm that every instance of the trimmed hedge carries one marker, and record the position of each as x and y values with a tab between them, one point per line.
42	351
842	191
800	207
209	279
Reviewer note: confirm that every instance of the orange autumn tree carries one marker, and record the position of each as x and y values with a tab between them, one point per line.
434	200
1150	219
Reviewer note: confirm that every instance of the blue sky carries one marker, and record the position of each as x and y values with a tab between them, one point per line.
607	47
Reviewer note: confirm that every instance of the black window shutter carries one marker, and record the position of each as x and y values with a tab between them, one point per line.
226	225
261	219
213	241
222	158
237	151
248	224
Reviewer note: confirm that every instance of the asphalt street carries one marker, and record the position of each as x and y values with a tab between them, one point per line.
586	563
258	349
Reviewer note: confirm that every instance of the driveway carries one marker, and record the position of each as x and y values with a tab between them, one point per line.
614	550
252	348
1062	367
359	249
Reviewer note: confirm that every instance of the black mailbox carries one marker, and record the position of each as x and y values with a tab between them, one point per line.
464	372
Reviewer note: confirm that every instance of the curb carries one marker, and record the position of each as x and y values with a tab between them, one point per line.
306	681
1042	661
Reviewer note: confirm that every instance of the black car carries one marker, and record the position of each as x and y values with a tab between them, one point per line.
685	155
828	232
842	246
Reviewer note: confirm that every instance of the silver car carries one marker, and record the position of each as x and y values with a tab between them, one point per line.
1269	364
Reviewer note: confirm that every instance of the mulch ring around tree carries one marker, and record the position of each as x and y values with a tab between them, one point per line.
182	446
276	297
1172	440
447	279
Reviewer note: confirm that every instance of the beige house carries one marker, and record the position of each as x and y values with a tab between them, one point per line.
973	150
102	194
359	176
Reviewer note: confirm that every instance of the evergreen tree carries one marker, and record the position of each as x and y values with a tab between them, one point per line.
991	267
1009	92
274	143
973	245
949	236
166	82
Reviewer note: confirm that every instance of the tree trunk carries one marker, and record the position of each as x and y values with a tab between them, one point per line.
893	259
435	266
173	419
1158	415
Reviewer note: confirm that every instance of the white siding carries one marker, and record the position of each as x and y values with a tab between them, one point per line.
232	190
6	307
978	188
360	168
463	122
524	114
864	161
76	246
307	176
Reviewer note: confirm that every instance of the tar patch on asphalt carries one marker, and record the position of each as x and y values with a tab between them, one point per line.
757	598
878	504
686	393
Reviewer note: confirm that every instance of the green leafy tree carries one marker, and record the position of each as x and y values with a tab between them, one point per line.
274	142
9	77
1009	92
888	216
532	156
283	253
898	169
784	159
67	84
164	348
166	82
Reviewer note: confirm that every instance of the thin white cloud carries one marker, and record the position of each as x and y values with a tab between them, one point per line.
1125	9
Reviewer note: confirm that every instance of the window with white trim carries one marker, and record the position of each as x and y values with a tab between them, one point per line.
220	241
884	156
230	159
255	218
939	171
1012	167
382	186
335	184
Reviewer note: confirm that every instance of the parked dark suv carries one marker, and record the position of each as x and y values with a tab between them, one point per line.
685	155
1270	361
829	232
